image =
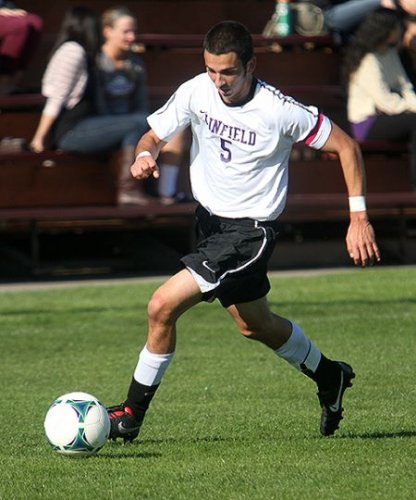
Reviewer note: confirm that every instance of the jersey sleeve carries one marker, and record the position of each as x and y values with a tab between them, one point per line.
303	123
320	133
175	115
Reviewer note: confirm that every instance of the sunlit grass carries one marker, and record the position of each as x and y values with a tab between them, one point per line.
230	420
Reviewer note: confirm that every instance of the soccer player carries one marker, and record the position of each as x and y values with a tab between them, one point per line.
243	131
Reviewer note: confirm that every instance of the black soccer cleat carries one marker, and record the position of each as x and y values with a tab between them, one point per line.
331	401
123	423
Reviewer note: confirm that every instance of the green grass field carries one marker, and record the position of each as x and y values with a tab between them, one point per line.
230	420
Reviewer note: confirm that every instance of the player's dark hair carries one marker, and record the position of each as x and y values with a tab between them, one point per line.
230	36
374	30
80	25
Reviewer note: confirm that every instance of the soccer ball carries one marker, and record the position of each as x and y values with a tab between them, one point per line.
77	424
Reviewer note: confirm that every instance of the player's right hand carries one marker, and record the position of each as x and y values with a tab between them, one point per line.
144	167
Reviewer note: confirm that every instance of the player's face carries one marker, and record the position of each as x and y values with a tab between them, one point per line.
228	74
122	34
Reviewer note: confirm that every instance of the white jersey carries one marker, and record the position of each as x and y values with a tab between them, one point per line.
240	154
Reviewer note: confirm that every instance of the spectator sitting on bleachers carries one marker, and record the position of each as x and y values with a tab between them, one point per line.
20	33
381	99
70	120
342	17
67	82
121	90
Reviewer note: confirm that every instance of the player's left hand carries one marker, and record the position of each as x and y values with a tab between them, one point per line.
361	242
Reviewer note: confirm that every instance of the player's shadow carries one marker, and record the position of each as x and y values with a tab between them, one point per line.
133	452
134	448
380	435
196	440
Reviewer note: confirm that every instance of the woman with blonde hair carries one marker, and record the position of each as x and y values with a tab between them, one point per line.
74	118
122	91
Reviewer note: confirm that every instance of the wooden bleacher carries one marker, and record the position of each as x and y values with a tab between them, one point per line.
60	193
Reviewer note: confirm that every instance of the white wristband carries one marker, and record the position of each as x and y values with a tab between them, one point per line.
143	153
357	203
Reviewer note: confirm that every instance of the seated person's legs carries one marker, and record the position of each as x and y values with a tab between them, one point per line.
171	163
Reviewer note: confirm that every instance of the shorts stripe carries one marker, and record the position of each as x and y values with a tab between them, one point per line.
206	286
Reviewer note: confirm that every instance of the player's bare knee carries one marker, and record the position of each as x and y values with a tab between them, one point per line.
249	331
159	309
256	331
248	334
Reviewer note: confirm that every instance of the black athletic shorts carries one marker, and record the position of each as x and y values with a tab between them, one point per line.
230	262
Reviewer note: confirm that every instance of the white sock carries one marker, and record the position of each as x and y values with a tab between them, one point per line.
151	367
168	177
299	351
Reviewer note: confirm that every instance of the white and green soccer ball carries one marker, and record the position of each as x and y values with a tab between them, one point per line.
77	424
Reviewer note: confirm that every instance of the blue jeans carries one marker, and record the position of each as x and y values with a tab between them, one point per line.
99	134
346	16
